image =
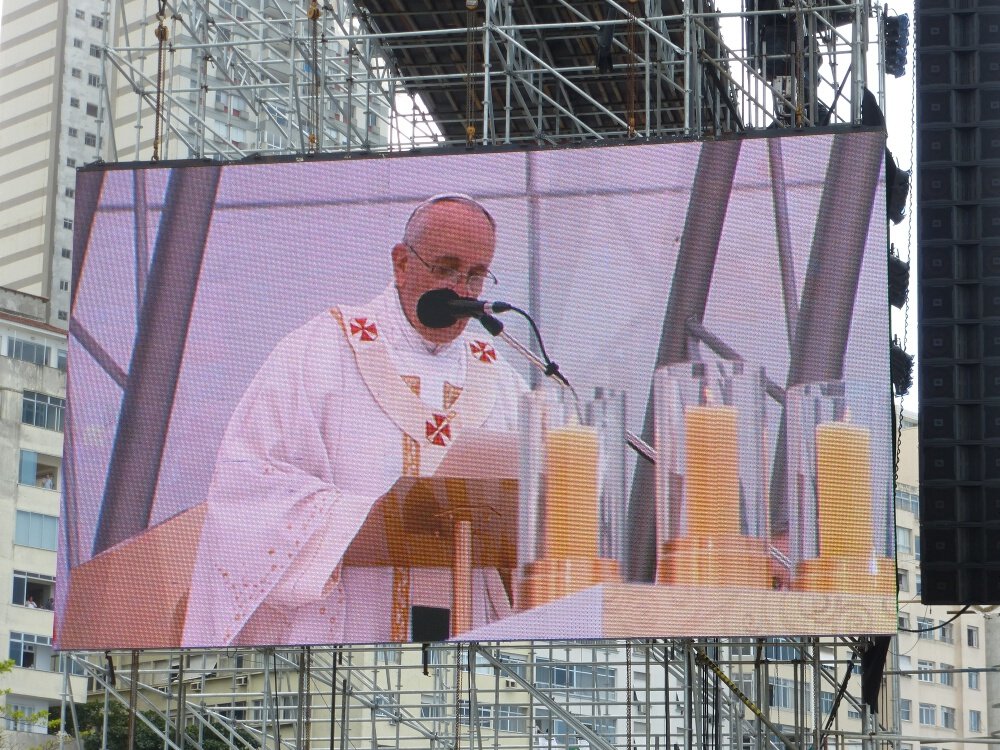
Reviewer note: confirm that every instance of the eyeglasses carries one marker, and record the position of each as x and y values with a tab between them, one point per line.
446	275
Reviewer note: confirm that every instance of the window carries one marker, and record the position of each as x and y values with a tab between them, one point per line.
584	680
97	22
903	580
64	285
70	192
388	655
973	680
36	530
67	253
28	351
972	636
924	670
512	718
975	721
916	546
928	714
70	162
852	714
73	132
925	626
74	102
946	632
95	50
947	717
904	540
89	139
39	470
781	651
906	709
825	702
513	663
33	590
947	678
288	707
431	707
80	14
67	223
93	79
745	682
61	360
92	110
41	410
905	666
918	586
20	718
30	651
485	714
76	72
779	690
908	500
903	621
62	315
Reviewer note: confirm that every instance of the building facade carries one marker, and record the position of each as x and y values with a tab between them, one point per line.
32	405
942	667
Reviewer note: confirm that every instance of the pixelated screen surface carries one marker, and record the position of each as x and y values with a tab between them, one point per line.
270	442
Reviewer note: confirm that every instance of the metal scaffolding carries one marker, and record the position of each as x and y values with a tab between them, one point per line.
734	694
233	79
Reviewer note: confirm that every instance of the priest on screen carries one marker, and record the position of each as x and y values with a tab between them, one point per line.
342	408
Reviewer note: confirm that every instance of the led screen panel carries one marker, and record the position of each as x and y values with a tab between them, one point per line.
277	437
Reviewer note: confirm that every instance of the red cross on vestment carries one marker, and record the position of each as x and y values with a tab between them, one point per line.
438	429
363	328
483	351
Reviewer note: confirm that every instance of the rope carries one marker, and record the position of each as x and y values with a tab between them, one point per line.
313	15
161	64
470	59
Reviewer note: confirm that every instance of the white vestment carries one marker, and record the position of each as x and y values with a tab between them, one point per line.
328	425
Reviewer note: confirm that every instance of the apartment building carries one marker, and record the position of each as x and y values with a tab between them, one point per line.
941	656
32	405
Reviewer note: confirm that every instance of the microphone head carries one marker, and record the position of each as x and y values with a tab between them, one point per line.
433	310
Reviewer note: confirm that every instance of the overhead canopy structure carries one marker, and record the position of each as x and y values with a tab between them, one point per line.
241	78
543	70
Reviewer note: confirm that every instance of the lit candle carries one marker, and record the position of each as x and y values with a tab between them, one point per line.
712	471
571	493
843	490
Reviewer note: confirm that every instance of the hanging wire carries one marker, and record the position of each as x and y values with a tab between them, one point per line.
162	35
631	73
313	15
470	59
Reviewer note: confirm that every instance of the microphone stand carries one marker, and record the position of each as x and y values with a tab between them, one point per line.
636	443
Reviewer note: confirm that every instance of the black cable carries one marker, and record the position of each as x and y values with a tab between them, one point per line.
940	625
551	368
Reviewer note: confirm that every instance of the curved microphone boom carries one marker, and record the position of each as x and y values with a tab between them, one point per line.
440	308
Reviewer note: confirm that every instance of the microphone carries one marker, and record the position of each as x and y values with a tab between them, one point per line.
440	308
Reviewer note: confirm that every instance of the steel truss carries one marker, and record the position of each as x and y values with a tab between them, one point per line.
779	694
240	78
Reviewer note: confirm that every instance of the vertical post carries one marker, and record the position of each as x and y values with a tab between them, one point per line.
487	81
133	697
157	355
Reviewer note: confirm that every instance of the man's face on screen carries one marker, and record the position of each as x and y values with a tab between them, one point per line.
446	235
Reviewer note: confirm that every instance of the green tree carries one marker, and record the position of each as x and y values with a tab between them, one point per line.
7	713
91	718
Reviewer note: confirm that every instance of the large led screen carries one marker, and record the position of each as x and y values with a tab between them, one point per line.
289	423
